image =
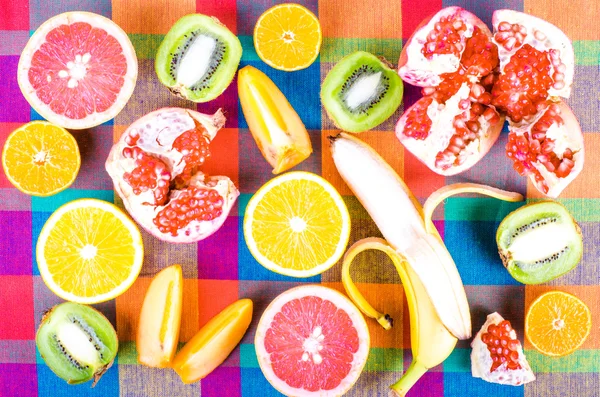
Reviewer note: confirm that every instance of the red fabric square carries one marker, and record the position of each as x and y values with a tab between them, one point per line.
16	308
15	15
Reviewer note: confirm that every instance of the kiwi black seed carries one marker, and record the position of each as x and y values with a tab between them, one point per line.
77	342
222	64
382	97
539	242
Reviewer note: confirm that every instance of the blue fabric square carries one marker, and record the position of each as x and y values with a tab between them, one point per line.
52	203
301	88
485	9
51	385
460	384
473	248
254	383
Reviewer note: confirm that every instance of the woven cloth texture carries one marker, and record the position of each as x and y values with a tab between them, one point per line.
220	269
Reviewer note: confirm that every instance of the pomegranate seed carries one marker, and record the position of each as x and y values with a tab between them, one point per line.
502	348
445	38
193	145
147	175
417	123
481	55
520	96
180	211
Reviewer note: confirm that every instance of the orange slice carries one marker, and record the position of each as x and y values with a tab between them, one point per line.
288	37
557	323
89	251
41	159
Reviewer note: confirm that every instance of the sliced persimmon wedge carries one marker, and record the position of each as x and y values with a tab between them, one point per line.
160	319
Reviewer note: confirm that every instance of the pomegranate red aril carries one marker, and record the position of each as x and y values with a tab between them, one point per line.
159	179
418	122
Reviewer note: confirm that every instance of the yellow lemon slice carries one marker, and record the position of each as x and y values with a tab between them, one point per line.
89	251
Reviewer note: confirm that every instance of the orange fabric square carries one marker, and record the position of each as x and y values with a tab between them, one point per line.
386	298
129	306
587	293
587	184
374	19
150	17
384	143
214	296
223	158
577	18
419	178
118	130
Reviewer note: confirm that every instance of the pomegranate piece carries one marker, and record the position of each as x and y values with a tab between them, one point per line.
155	170
548	149
438	44
536	63
452	56
497	354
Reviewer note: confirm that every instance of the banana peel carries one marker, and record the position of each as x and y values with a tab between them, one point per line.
430	341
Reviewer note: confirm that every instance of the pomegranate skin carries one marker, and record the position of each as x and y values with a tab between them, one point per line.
156	134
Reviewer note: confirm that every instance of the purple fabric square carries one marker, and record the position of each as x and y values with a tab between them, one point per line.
227	101
220	380
18	380
41	10
14	107
94	145
15	243
217	255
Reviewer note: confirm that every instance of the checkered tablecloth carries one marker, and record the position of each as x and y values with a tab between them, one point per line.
220	269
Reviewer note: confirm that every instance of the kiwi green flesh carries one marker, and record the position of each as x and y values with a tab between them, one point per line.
77	342
192	32
361	92
539	242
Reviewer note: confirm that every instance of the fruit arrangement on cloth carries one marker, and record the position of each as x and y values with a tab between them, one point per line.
79	69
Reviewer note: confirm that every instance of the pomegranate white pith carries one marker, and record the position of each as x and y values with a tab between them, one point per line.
453	58
155	170
497	354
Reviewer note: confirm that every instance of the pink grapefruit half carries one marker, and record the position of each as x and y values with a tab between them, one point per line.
78	70
312	341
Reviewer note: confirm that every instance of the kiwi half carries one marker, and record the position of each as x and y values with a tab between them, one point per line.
198	58
77	342
539	242
361	92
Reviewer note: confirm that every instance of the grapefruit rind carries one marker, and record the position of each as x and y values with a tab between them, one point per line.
340	301
38	38
109	208
275	267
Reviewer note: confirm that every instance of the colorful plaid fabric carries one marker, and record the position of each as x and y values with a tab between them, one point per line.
220	269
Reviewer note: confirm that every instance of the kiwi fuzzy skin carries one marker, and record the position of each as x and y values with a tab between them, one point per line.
507	259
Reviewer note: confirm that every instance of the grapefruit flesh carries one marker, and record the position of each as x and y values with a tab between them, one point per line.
78	70
312	340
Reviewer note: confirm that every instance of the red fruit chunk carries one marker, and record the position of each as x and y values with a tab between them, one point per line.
418	123
450	84
445	38
192	204
194	147
150	173
524	84
481	55
501	346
